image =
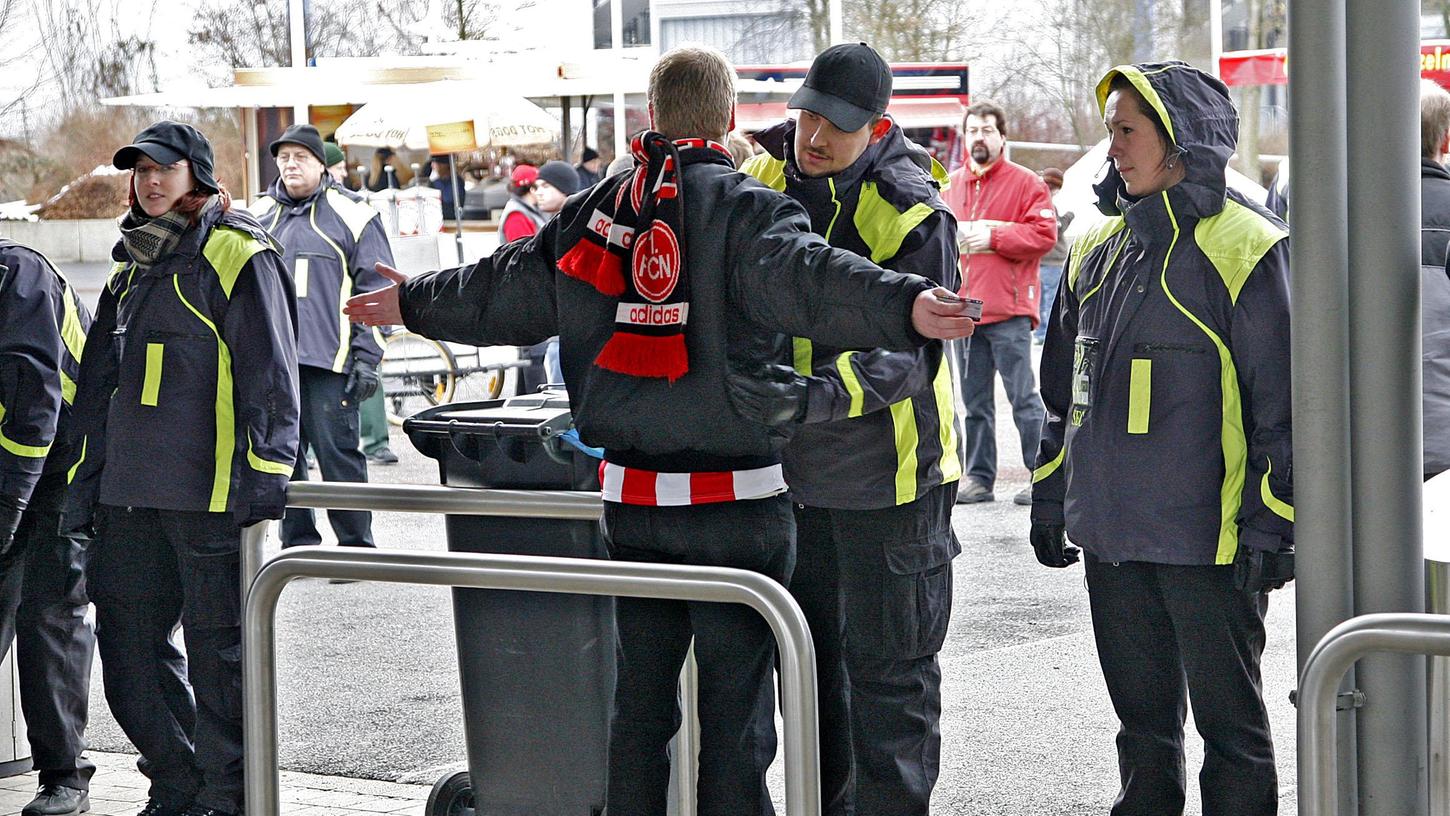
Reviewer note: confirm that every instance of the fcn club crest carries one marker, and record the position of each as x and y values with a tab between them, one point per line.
656	263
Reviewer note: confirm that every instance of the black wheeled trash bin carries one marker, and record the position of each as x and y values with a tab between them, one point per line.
537	669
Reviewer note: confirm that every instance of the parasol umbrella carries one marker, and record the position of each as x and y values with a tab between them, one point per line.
402	118
448	117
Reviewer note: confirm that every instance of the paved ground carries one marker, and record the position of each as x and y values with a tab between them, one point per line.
118	789
369	689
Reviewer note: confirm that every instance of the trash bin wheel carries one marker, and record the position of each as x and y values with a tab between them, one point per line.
451	796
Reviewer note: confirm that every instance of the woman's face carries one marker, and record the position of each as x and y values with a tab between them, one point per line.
1136	150
160	186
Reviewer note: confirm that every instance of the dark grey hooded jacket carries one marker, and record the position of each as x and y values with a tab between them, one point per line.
1166	369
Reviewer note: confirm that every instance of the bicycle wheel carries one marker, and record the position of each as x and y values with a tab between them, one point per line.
417	373
484	384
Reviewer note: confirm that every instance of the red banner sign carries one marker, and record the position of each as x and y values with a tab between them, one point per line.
1271	66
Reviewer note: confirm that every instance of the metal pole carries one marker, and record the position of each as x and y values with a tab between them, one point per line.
566	105
297	32
1404	633
578	505
531	574
254	542
1215	34
685	769
1384	314
1319	204
1143	31
457	208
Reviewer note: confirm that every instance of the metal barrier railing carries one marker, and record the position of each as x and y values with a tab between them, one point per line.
522	573
1404	633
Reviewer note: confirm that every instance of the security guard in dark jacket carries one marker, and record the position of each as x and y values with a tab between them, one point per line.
186	411
1166	453
873	469
330	239
42	571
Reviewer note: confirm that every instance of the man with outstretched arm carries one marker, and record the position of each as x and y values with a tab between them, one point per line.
659	283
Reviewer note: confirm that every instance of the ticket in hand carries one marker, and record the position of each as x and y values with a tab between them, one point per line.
974	306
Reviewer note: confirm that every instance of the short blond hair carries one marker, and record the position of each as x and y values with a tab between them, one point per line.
692	93
1434	118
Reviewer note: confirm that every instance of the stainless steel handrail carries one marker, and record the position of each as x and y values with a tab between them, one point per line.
558	575
1405	633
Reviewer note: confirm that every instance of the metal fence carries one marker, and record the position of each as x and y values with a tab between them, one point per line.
1401	633
521	573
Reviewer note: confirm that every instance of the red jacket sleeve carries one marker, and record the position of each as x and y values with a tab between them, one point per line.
1034	230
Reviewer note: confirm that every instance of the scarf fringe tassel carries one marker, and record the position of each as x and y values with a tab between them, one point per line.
642	355
596	266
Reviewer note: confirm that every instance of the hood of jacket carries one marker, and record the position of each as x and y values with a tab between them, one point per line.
903	167
1200	119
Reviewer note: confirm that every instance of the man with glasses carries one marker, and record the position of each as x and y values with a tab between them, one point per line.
331	239
1006	223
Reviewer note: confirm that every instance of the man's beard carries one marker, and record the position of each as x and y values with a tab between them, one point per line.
980	154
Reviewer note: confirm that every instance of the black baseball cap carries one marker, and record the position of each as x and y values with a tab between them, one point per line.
849	84
305	135
169	142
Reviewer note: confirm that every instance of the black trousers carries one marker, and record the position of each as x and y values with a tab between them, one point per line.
43	611
330	426
1167	635
876	589
734	648
151	570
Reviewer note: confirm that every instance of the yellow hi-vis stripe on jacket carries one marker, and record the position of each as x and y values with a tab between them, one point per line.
882	228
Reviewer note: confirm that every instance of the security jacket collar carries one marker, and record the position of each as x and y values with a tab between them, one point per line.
278	190
878	162
188	245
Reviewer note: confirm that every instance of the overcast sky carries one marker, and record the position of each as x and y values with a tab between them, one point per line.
167	27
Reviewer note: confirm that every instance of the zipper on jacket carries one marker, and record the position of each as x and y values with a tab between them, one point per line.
831	182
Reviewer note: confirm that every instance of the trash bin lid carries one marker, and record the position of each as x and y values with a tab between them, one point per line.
544	414
473	429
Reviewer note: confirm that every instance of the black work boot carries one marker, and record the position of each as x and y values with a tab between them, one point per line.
58	800
156	808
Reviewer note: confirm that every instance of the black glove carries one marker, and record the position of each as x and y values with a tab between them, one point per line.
362	381
1258	571
1049	541
771	395
10	511
248	514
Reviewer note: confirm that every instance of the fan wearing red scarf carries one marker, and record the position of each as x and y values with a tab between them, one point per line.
659	283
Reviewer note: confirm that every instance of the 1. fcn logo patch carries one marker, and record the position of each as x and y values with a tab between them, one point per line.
656	263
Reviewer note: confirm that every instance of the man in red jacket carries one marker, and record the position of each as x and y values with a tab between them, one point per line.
1005	224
